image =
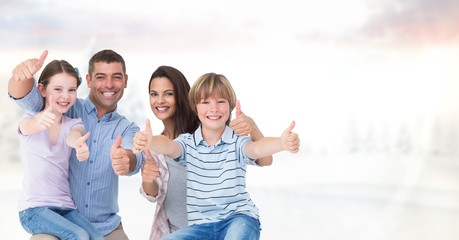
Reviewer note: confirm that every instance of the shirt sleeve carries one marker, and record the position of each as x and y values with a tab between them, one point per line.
33	101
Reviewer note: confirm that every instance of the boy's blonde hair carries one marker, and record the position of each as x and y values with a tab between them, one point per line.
212	84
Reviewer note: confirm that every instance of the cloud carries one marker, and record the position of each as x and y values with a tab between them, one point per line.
414	22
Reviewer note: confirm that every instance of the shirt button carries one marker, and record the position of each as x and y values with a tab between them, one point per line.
91	161
87	183
86	205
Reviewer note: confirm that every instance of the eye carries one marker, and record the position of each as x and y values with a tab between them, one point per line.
57	89
153	94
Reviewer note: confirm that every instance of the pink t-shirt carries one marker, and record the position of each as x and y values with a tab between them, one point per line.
46	167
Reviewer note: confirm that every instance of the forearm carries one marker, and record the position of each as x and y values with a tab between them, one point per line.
264	147
28	126
256	135
163	145
19	89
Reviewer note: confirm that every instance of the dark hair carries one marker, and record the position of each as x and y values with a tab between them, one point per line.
107	56
56	67
185	119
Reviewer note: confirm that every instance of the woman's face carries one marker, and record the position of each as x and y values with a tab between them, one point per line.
162	98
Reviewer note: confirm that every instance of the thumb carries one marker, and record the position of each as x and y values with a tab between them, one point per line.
52	105
290	128
148	126
42	58
238	108
116	144
85	137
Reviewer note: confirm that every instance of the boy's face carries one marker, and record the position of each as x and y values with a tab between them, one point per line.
213	112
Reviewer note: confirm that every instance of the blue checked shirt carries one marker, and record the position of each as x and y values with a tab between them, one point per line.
93	183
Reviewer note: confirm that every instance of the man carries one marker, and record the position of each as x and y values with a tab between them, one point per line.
93	183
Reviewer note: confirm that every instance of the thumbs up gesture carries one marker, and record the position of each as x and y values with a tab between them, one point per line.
242	124
29	67
289	140
47	117
120	157
142	139
82	149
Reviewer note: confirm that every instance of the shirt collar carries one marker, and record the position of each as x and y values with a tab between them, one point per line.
227	136
90	108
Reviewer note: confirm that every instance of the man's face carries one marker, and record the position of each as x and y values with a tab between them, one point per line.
106	84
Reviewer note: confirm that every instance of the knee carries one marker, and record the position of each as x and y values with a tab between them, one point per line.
43	237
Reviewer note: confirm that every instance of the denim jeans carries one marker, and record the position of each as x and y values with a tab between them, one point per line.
235	227
63	223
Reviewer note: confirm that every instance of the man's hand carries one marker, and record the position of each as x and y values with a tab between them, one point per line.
120	157
29	67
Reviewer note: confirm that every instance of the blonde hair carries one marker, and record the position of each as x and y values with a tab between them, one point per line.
212	84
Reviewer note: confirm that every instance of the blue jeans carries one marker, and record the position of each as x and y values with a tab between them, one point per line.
64	223
235	227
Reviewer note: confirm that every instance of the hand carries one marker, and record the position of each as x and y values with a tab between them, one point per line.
242	124
46	118
150	170
82	149
120	157
290	141
143	138
29	67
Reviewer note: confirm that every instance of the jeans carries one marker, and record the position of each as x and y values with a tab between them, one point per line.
235	227
64	223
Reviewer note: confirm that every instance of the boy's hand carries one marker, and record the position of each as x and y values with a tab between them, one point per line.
143	138
290	141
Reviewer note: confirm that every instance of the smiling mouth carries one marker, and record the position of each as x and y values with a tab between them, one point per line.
108	94
162	109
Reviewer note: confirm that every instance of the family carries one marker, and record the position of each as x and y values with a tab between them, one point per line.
74	150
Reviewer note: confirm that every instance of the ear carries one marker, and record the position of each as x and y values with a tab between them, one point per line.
88	80
42	90
126	80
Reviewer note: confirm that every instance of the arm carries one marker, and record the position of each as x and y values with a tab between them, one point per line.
266	146
76	140
244	125
42	121
22	81
144	140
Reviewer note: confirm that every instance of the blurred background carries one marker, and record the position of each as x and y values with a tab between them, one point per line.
372	85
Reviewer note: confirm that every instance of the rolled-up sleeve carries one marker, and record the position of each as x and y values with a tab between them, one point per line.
33	101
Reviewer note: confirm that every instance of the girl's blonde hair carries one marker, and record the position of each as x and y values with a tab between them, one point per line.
212	84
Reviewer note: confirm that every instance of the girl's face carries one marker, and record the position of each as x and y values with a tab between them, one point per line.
213	112
63	89
162	98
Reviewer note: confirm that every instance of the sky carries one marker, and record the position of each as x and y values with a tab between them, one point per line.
328	65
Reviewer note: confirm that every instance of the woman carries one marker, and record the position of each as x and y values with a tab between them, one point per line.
164	182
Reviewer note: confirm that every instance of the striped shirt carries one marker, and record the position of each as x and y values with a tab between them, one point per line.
93	183
216	186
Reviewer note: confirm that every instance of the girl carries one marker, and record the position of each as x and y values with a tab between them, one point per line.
47	139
